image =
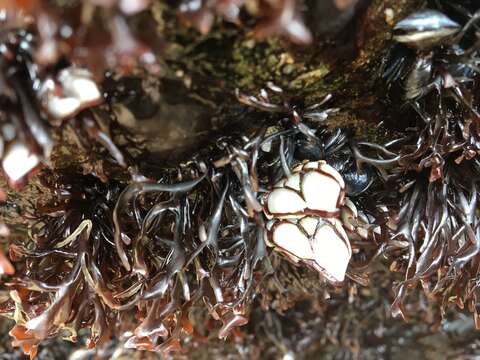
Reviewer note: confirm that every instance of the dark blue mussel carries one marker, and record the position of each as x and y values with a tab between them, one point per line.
425	29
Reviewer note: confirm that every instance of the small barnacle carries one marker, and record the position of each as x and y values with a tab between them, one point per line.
356	222
72	91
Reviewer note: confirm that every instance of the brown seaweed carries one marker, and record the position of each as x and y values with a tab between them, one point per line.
278	17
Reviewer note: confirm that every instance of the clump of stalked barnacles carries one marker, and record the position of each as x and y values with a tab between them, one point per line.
312	172
433	164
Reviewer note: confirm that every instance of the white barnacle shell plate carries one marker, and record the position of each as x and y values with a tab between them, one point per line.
322	244
313	188
18	161
285	201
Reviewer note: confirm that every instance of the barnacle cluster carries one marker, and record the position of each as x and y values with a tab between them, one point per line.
137	249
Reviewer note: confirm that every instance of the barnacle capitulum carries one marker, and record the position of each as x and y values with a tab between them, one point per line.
425	29
313	188
321	244
72	91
